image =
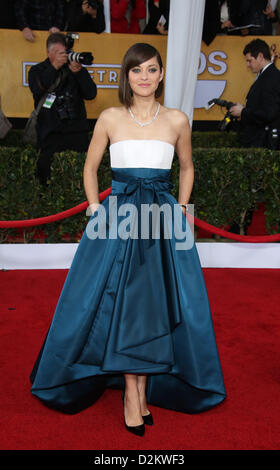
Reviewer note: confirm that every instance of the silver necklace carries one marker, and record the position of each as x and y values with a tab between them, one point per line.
143	124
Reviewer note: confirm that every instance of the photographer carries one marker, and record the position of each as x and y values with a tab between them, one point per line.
62	123
260	117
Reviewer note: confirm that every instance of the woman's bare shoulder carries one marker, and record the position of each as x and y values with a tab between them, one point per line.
176	115
111	113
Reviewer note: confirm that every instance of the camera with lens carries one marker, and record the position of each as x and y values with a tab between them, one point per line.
84	58
65	107
224	104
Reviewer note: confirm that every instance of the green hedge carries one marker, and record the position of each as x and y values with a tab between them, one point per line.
215	140
228	182
199	139
24	198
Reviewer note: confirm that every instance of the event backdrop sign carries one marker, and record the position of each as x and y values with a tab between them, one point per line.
222	70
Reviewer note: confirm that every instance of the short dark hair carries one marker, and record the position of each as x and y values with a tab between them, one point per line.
56	38
136	55
255	47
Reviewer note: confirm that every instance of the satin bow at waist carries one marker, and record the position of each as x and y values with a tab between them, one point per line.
126	184
132	183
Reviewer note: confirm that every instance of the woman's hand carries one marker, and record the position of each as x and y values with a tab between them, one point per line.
92	208
184	210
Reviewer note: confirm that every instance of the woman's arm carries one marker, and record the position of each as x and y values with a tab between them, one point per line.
184	152
95	154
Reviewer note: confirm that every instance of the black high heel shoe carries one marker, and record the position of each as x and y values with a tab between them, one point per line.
137	430
148	419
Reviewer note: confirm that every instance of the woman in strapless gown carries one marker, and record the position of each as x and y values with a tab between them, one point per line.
134	312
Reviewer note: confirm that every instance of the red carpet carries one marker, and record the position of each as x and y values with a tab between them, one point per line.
245	307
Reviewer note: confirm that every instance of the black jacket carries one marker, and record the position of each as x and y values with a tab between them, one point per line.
7	15
79	85
77	21
251	12
262	108
212	18
39	14
155	14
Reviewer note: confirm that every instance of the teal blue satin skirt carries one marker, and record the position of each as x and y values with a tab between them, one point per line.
132	305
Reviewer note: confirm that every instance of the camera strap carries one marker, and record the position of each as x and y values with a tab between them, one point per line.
50	90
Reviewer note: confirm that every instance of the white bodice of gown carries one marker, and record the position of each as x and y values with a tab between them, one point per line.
141	154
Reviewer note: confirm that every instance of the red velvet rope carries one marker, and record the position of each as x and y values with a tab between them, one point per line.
233	236
51	218
81	207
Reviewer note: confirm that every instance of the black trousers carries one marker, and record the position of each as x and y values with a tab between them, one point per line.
58	142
